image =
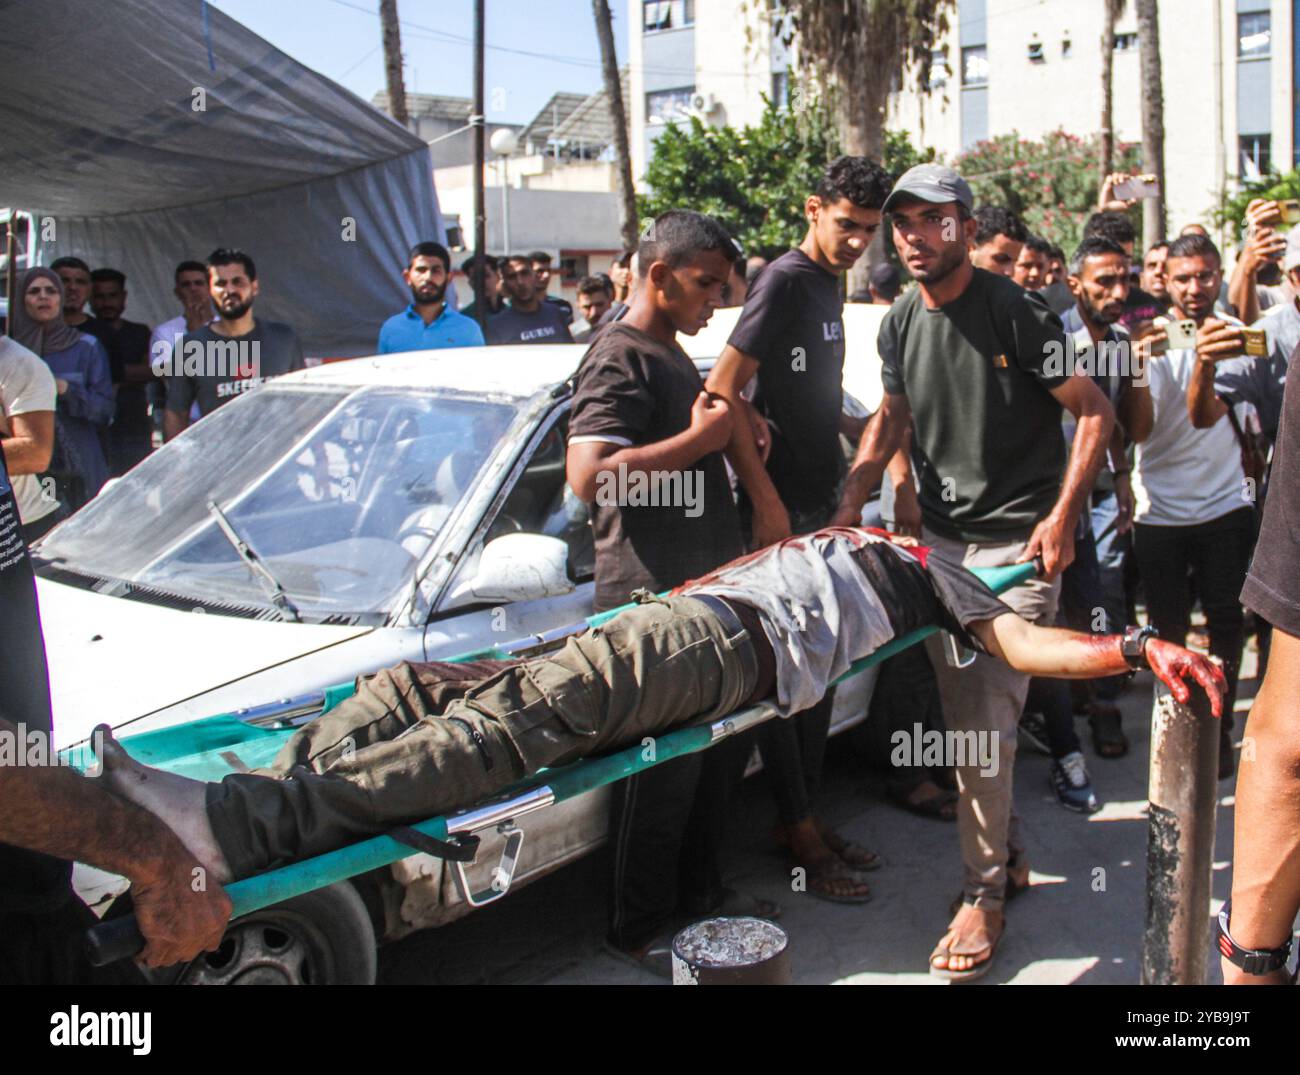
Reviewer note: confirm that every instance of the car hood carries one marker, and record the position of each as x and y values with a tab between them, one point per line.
113	660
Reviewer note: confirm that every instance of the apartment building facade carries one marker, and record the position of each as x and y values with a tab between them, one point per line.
1031	66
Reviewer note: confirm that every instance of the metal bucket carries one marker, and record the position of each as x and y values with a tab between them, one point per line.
732	951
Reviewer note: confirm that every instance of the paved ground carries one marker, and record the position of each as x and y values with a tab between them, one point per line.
1081	922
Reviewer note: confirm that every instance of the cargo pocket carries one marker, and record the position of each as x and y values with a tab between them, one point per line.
560	722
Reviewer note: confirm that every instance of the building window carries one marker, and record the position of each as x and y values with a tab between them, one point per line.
938	71
975	66
781	89
1067	48
667	14
1254	35
1126	42
1256	155
1036	51
668	106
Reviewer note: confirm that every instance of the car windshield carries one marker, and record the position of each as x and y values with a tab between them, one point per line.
339	491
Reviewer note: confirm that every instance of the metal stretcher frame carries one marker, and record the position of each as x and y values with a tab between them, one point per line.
119	938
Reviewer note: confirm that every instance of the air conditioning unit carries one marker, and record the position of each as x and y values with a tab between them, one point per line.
704	103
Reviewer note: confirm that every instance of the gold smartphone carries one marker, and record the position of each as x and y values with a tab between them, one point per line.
1290	211
1256	342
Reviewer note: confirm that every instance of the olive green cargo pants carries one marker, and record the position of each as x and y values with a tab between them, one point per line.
420	740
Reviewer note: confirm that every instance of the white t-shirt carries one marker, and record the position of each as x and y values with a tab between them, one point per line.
1184	475
26	385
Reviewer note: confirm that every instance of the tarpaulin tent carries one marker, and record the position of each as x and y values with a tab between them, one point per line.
140	133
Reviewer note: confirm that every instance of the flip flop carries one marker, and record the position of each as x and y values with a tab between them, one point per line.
941	806
852	855
977	971
820	875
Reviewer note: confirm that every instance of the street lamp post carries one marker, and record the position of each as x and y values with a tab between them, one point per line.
504	143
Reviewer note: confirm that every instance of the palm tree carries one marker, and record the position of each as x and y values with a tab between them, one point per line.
1153	118
1113	9
618	117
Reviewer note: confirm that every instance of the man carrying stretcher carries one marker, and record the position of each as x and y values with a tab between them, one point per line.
420	740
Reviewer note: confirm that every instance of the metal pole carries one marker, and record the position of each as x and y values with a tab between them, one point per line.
480	209
11	253
1180	841
505	202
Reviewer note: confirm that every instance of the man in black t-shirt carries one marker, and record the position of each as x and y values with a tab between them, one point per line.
1266	867
968	368
50	814
235	354
645	449
790	336
130	437
527	318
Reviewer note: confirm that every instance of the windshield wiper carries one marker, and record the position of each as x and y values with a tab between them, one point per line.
274	591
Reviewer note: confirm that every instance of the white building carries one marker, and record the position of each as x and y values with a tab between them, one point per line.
1031	66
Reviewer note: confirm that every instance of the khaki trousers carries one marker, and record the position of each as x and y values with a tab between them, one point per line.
988	697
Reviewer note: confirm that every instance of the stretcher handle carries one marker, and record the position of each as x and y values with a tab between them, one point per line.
118	938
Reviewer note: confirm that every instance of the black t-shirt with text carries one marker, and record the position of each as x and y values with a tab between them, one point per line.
546	324
214	369
977	372
793	324
632	390
28	881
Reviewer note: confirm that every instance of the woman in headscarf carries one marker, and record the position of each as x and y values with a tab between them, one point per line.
85	385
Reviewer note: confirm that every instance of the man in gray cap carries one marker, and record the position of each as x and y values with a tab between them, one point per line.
967	365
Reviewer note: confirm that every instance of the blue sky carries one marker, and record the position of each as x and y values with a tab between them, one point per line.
555	42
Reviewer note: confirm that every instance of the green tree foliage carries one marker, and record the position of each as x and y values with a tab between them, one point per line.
753	179
1272	187
1050	183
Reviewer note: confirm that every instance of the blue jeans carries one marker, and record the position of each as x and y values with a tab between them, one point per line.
1113	549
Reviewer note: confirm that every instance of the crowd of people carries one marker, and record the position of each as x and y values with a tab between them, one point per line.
1112	420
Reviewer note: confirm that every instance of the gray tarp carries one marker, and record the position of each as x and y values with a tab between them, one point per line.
141	133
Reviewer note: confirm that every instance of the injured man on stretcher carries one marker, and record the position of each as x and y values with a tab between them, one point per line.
420	740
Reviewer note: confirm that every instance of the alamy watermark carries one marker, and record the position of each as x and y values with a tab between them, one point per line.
1109	358
652	489
184	357
31	748
945	750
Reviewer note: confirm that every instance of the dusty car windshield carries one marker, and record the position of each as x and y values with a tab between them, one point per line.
339	491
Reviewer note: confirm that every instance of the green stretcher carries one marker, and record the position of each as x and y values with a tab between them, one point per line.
214	747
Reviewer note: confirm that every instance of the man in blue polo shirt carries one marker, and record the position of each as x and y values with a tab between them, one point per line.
428	322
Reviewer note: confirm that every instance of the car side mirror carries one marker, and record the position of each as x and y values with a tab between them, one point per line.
520	567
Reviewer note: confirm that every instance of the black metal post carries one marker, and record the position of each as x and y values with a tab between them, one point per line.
480	207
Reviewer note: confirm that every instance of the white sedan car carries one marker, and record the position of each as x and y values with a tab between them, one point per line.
338	520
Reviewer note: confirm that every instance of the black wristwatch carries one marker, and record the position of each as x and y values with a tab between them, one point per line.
1134	645
1251	960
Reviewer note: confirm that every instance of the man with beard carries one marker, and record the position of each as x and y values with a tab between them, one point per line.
428	323
127	343
967	367
1193	508
234	354
1152	280
528	319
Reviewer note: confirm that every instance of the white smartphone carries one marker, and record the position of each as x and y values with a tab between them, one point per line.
1140	186
1182	334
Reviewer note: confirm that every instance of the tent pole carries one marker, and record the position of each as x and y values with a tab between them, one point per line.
480	210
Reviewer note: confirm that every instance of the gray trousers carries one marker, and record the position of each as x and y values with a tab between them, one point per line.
420	740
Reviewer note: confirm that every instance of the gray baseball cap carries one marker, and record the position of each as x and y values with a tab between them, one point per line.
1291	257
931	183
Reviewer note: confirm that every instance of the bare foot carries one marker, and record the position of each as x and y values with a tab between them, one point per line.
972	936
177	801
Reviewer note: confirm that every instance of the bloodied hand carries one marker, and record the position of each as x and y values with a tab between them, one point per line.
1173	664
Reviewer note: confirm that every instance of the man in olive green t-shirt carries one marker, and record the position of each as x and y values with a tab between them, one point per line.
975	366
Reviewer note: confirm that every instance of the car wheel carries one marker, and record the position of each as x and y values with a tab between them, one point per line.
319	938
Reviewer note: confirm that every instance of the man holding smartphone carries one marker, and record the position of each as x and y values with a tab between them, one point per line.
1193	509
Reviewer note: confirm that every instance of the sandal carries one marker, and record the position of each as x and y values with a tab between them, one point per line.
852	855
955	949
941	805
825	880
1108	738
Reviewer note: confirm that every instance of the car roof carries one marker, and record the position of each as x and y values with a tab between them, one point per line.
520	370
